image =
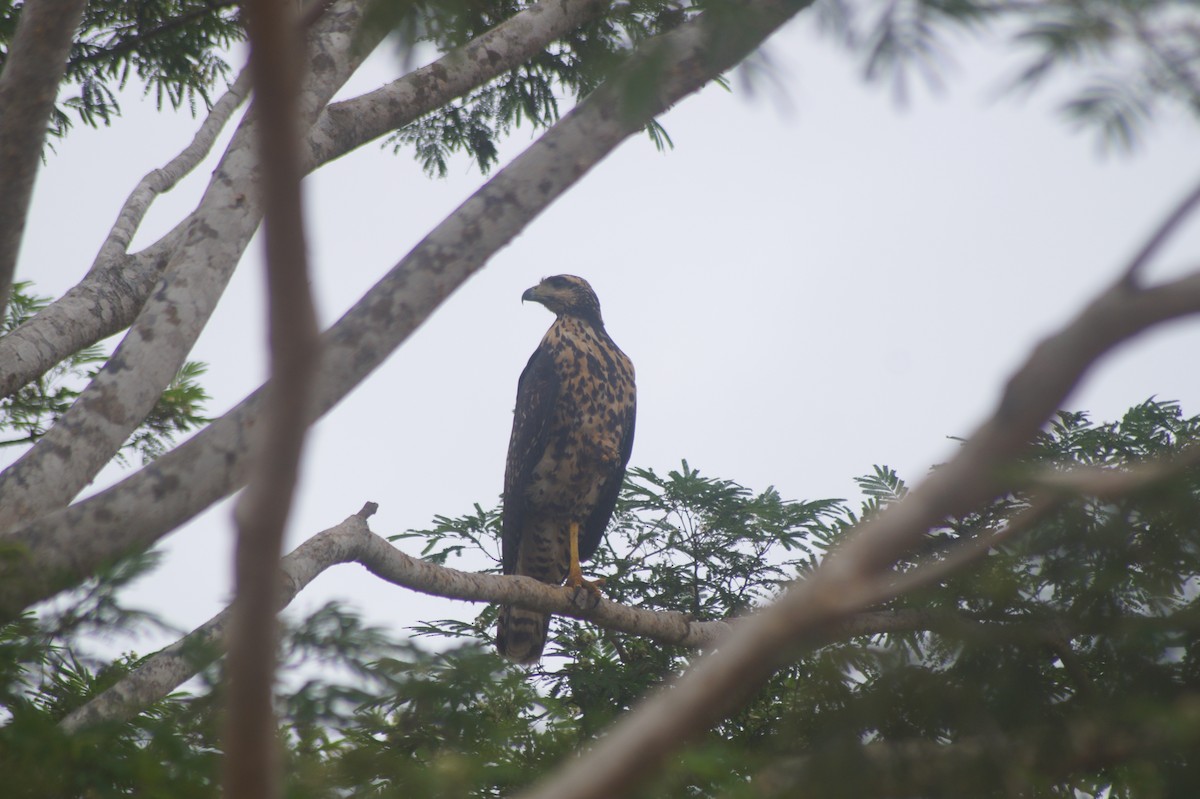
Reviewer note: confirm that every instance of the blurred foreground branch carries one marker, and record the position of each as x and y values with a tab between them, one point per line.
252	764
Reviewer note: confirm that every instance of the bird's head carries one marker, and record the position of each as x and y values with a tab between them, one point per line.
566	295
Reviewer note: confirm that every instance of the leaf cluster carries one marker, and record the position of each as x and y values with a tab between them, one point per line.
531	94
176	49
1119	61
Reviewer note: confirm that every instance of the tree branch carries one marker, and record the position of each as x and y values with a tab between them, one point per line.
109	298
1168	226
252	763
156	182
33	68
87	436
353	542
129	516
349	124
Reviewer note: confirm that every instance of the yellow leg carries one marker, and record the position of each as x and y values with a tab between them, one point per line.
574	573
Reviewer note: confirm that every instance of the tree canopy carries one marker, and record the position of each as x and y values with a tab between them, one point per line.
1021	621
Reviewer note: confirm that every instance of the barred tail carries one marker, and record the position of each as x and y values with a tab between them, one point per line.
521	634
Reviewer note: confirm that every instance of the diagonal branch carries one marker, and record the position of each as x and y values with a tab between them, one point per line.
33	68
1166	228
129	516
352	123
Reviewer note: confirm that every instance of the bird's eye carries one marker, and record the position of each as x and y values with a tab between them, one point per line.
558	282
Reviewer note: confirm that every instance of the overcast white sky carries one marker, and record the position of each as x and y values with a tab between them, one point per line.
811	283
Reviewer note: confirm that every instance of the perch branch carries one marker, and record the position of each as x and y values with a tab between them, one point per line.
353	542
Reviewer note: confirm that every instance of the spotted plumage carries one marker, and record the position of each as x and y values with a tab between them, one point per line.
571	439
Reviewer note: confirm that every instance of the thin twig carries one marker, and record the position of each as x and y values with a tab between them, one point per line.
1160	236
165	178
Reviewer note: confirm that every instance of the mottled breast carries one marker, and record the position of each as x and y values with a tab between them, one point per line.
595	397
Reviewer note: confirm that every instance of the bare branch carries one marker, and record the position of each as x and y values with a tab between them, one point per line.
211	464
33	68
252	764
1168	227
86	437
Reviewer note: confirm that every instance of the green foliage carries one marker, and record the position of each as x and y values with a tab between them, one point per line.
1125	59
529	95
175	48
1088	622
27	414
1067	662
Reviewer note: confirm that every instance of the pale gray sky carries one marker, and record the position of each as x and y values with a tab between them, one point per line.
812	282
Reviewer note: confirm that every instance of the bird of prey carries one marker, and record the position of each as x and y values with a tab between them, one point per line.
571	438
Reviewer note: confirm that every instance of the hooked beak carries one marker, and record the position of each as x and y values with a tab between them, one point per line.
530	295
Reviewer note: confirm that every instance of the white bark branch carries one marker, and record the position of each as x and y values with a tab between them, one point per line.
111	407
162	180
109	298
349	124
131	514
34	66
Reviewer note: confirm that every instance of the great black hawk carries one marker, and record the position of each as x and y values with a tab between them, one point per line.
571	438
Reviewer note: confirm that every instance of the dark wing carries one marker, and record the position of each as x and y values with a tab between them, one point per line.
537	391
593	528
